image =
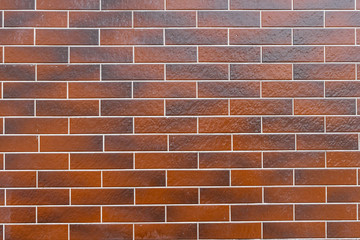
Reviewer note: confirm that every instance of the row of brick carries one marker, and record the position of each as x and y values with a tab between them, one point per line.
178	5
224	89
59	161
179	125
178	107
195	36
127	19
179	54
185	231
176	196
248	142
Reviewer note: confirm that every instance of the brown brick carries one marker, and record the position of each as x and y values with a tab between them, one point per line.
68	72
102	196
37	197
343	229
167	196
36	161
261	72
69	179
66	37
198	178
294	230
17	5
324	107
101	231
68	214
17	72
67	5
260	36
99	19
16	36
134	178
325	177
292	19
101	125
324	37
324	4
261	177
342	159
324	72
133	72
196	72
262	212
164	19
131	36
196	107
325	212
36	55
228	89
166	231
293	54
230	160
342	89
293	159
327	142
342	19
164	90
38	231
228	19
16	108
35	19
292	89
165	54
71	143
36	126
34	90
15	179
136	143
229	54
197	213
101	161
230	230
100	90
67	108
132	107
17	214
197	5
260	5
230	195
200	142
134	214
18	143
343	194
196	36
230	125
342	124
294	194
101	54
342	54
132	4
165	125
293	124
260	107
165	160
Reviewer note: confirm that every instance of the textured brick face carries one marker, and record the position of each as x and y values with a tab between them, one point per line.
179	119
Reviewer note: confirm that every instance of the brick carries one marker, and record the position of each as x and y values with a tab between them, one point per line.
294	230
324	72
342	124
292	124
293	159
36	126
343	229
324	5
38	231
260	36
324	107
67	108
293	54
196	107
229	160
260	107
230	195
99	19
132	4
327	142
34	90
166	196
230	125
294	194
325	177
260	5
199	143
68	214
133	72
18	143
228	89
196	72
262	212
132	107
261	177
134	178
36	161
229	54
101	161
67	5
66	37
292	89
197	178
197	5
165	54
16	37
136	143
17	72
17	5
71	143
164	90
69	179
36	55
102	196
342	54
134	214
35	19
165	160
16	108
131	36
342	19
264	142
325	212
101	54
68	72
292	19
228	19
230	230
101	125
324	37
101	231
14	179
261	72
165	125
343	194
164	19
342	89
196	36
100	90
342	159
37	197
166	231
197	213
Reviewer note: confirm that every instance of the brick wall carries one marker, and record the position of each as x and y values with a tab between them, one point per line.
179	119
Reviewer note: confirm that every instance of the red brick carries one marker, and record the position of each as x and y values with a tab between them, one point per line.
35	19
165	54
197	213
67	108
228	89
292	19
324	107
260	5
164	90
16	36
342	89
342	54
18	143
164	19
292	89
37	197
294	230
324	71
261	177
228	19
230	125
34	90
264	142
260	36
36	55
101	125
342	159
165	231
229	160
69	179
134	178
67	5
101	161
261	212
101	231
12	179
326	212
102	196
38	231
324	37
71	143
260	107
136	143
325	177
17	72
230	230
66	37
261	72
293	159
165	160
68	72
196	107
342	19
101	55
133	72
132	4
324	4
293	54
99	19
165	125
343	194
196	36
134	214
131	36
198	178
327	142
196	72
199	143
132	107
68	214
100	90
36	161
343	229
342	124
294	194
230	195
166	196
292	124
197	5
229	54
17	5
36	126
